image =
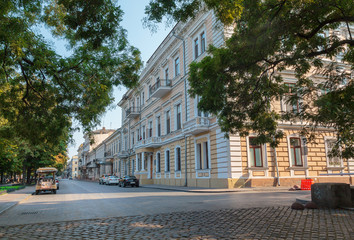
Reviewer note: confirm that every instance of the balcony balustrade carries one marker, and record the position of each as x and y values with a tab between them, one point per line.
123	154
196	125
133	112
160	88
152	142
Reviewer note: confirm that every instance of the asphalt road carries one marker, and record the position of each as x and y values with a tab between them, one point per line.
78	200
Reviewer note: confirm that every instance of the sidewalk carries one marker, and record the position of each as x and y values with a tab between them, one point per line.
216	190
8	200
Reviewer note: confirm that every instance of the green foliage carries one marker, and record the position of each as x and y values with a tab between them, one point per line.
41	90
242	80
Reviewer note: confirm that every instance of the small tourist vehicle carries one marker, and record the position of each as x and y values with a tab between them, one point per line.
46	180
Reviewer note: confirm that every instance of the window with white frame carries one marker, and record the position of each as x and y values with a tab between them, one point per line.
199	112
133	138
143	132
178	117
196	48
126	143
168	122
202	153
202	43
167	161
256	153
332	161
150	129
291	107
166	74
178	159
177	67
158	162
158	126
296	152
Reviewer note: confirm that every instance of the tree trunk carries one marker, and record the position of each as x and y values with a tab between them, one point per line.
2	177
29	175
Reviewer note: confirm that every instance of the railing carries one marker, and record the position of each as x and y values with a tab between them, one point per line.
197	122
160	83
132	110
149	141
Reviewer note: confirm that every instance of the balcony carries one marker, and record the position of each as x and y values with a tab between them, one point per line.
160	88
196	125
133	112
153	142
123	154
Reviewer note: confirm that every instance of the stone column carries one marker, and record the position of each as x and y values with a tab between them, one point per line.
136	160
142	161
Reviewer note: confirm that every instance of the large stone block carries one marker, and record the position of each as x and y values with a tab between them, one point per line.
332	195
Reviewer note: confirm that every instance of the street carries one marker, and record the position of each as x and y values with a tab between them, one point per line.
89	210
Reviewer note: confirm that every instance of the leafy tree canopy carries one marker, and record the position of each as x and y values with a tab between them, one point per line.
241	81
41	90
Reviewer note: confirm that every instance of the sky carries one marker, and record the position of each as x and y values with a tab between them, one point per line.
140	37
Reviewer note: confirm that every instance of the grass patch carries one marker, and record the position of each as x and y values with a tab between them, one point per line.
11	188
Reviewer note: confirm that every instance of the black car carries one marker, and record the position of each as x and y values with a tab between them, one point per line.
129	181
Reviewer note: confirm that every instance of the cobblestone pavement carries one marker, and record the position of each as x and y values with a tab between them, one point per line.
251	223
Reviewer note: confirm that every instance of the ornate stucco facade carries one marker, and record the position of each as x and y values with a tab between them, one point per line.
166	139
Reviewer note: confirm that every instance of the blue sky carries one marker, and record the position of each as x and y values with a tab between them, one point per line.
140	37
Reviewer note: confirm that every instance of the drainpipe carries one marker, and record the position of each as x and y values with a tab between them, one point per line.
185	100
276	164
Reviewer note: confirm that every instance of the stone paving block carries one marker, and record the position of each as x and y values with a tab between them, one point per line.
256	223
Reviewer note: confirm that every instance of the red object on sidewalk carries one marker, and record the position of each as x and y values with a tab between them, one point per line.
306	184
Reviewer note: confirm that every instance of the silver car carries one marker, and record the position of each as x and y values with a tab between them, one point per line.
112	180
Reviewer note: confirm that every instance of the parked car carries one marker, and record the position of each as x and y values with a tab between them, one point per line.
112	180
103	179
129	181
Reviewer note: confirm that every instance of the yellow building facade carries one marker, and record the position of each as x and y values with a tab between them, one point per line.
165	139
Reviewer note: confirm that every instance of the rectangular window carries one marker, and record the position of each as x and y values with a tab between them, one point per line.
133	138
202	43
158	162
143	132
158	126
177	70
178	116
142	99
196	48
126	142
178	159
168	122
255	151
166	73
150	129
199	156
206	155
332	161
167	158
295	151
292	107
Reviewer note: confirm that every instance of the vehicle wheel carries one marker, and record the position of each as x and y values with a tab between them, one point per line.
37	192
137	185
55	191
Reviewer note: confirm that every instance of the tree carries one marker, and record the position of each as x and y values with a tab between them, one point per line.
240	81
43	91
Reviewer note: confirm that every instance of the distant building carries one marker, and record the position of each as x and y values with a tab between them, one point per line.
87	153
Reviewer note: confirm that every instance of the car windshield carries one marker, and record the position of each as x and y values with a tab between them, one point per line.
131	177
113	177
